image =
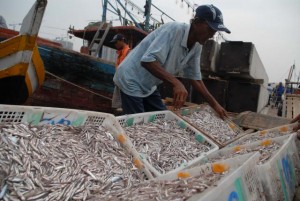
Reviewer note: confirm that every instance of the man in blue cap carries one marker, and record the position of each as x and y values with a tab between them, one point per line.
171	51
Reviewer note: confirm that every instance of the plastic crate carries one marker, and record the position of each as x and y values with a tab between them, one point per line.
240	183
144	118
184	112
48	115
278	175
268	133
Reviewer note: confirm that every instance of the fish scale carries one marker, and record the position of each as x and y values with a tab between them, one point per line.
211	125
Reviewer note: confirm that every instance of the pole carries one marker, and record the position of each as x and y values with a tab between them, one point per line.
104	10
148	14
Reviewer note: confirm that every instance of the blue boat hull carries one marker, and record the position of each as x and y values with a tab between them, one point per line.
78	68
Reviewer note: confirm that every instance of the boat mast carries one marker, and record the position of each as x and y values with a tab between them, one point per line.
147	14
104	10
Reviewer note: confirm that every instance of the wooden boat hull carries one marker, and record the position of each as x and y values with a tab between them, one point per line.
76	71
21	68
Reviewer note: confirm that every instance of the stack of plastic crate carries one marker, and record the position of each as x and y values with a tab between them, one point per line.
278	173
240	179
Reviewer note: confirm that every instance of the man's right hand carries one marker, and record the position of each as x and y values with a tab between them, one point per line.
179	95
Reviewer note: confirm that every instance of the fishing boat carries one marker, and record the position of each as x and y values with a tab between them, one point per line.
73	79
21	67
79	80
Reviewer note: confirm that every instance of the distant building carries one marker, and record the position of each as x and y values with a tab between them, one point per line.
3	22
65	44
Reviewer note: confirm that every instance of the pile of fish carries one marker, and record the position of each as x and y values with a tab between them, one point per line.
176	190
259	137
165	145
57	162
266	151
212	125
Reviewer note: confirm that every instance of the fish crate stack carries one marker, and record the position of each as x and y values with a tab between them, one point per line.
64	154
265	134
165	142
206	120
230	179
277	164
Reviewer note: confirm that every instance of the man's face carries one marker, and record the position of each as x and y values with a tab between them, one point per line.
119	44
203	32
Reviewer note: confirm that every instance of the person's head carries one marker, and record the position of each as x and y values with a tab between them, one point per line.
119	41
280	83
207	21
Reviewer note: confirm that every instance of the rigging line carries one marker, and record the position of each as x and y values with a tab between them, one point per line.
140	10
162	12
116	14
125	12
118	11
107	98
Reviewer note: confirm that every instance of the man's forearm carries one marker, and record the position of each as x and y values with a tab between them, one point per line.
201	88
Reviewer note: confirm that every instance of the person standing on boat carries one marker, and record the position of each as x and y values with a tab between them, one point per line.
123	49
173	50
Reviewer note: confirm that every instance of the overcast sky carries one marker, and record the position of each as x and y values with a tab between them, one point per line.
272	25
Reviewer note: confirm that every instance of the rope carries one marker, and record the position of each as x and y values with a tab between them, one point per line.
107	98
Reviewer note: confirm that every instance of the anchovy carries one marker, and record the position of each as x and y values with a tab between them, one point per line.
207	121
260	136
59	162
178	189
165	145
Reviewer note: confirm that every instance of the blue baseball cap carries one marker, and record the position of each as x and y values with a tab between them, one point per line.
213	16
118	37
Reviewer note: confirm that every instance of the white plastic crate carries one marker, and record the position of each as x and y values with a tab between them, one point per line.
144	118
278	174
47	115
268	133
240	183
204	107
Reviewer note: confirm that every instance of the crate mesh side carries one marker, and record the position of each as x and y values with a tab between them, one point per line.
11	117
189	130
253	185
122	122
160	116
94	120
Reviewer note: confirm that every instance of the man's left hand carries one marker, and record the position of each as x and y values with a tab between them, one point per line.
297	127
220	110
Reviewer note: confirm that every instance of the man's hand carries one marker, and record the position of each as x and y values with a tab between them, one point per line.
221	111
297	127
179	95
297	118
